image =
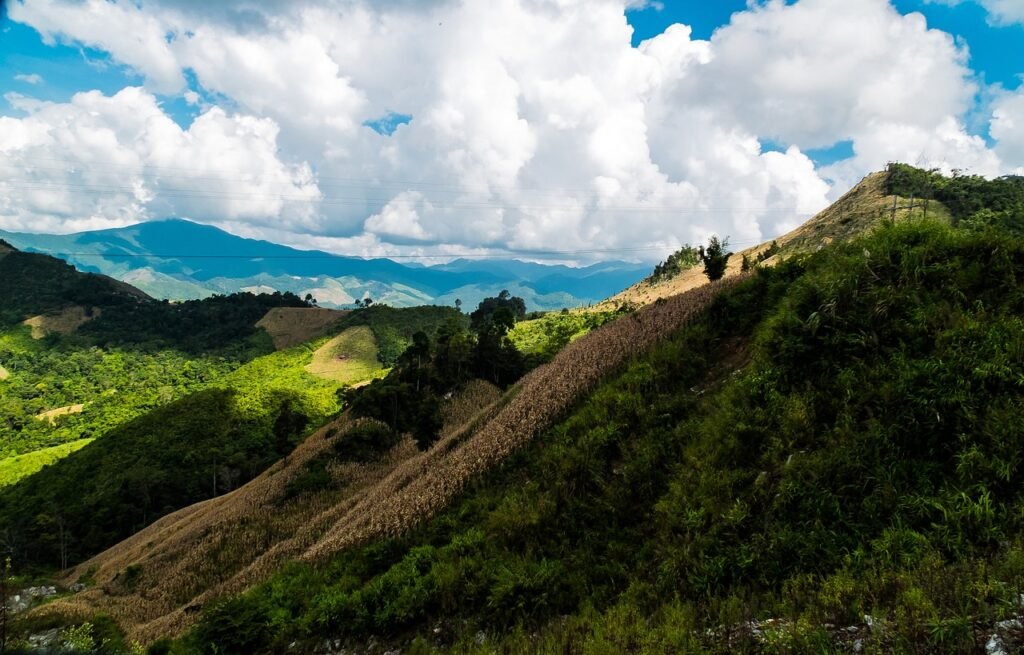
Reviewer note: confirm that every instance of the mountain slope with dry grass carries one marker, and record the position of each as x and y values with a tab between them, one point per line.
290	326
154	582
863	207
225	545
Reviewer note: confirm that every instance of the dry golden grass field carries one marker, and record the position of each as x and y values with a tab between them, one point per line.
65	321
290	326
862	207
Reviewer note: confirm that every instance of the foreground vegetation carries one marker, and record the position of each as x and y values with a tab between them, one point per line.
839	437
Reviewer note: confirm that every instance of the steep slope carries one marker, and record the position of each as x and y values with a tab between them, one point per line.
833	438
830	439
862	208
290	326
385	504
162	447
34	285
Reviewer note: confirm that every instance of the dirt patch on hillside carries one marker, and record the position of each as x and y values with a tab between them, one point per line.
4	374
65	321
290	326
53	414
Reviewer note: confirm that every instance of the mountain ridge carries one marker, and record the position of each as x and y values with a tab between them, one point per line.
198	259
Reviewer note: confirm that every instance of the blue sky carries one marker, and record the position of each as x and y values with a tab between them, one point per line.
997	52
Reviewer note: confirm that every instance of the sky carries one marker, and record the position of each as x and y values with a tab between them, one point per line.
605	129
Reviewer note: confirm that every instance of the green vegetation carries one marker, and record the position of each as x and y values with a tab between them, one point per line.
683	259
837	437
222	325
715	257
540	339
183	429
118	384
348	358
200	446
972	200
36	284
393	328
17	467
408	399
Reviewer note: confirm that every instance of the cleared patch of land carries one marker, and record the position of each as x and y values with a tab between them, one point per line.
53	414
290	326
349	358
65	321
17	467
4	374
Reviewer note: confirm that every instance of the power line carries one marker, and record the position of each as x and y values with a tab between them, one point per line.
307	255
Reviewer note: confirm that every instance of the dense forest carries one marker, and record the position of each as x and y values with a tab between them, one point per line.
36	284
173	428
124	362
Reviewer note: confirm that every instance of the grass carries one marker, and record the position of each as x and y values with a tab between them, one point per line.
231	543
833	438
349	358
290	326
51	415
15	468
548	334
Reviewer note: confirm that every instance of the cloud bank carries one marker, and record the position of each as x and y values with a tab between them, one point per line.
534	123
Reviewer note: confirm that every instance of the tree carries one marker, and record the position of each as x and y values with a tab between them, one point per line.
746	264
488	310
458	304
715	257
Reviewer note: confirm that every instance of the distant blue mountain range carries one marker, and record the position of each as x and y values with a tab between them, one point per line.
178	259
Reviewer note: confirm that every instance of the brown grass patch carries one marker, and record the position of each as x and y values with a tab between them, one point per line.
53	414
4	374
65	321
290	326
225	545
859	210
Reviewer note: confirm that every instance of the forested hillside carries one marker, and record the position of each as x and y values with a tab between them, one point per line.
822	455
174	428
836	438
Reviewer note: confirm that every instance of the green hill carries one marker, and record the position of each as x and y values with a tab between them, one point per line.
827	458
223	422
36	284
837	437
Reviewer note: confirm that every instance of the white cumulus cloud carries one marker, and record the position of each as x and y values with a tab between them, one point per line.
535	123
101	161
